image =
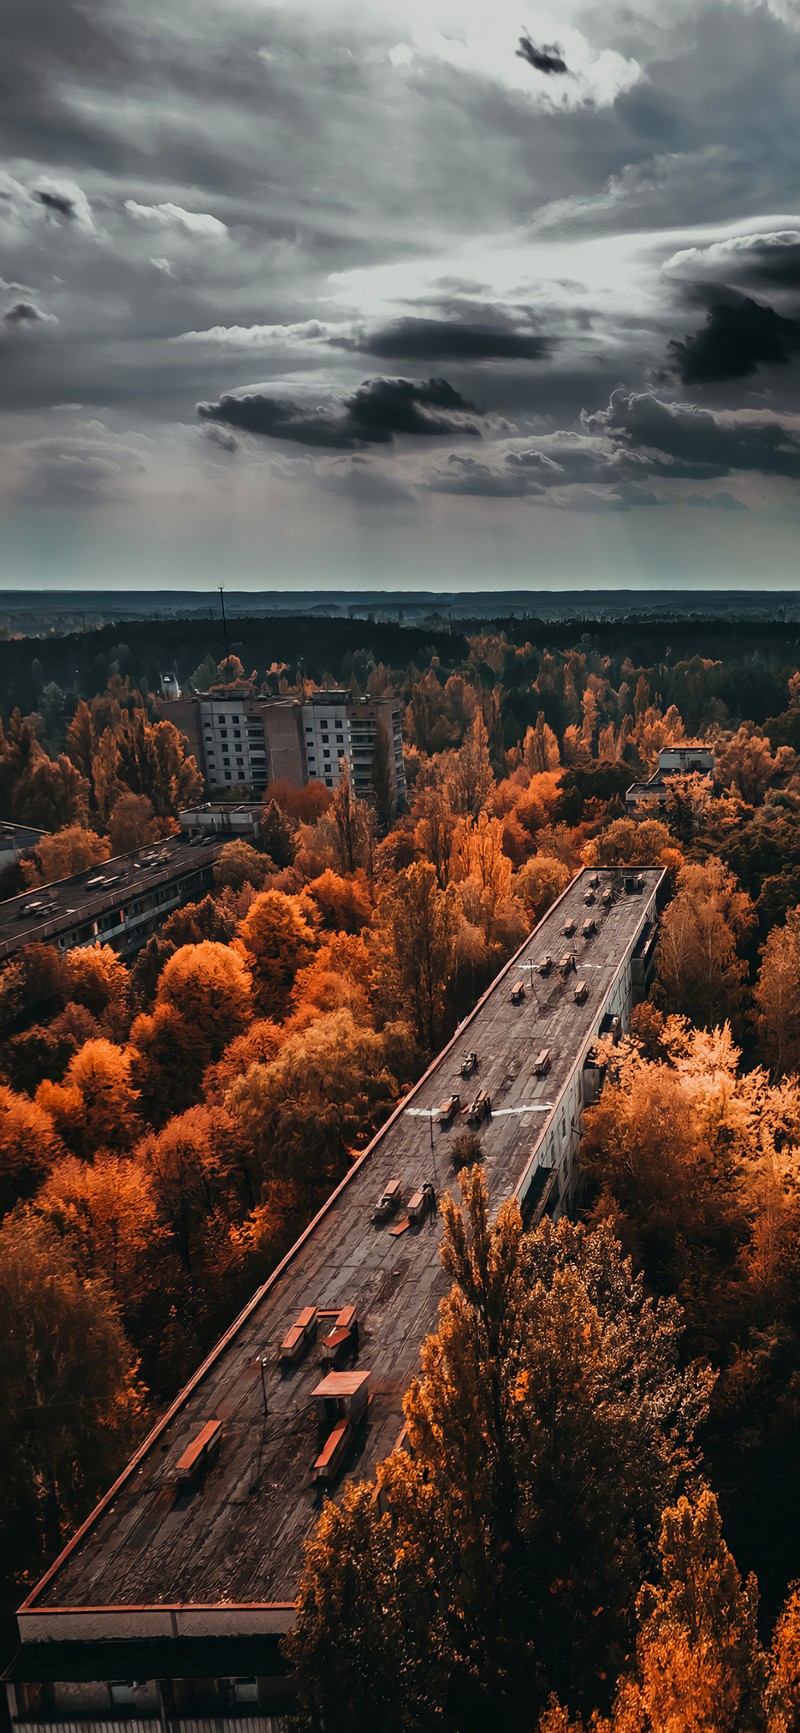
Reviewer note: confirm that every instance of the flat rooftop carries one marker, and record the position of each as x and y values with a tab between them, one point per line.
237	1537
84	896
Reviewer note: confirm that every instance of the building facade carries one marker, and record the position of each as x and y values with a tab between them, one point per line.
338	728
242	740
166	1610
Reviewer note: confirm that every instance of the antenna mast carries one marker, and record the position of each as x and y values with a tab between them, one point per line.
224	621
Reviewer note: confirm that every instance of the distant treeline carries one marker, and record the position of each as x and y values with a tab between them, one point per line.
146	649
741	665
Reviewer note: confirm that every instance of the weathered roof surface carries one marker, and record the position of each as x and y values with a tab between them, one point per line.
237	1538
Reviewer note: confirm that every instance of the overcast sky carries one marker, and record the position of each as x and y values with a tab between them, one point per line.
427	293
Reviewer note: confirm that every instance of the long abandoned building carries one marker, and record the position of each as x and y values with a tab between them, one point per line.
167	1607
118	903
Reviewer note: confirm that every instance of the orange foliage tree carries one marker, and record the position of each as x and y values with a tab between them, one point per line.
324	1093
29	1146
71	1402
276	939
203	1001
58	857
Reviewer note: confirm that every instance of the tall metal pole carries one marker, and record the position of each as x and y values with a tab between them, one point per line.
224	621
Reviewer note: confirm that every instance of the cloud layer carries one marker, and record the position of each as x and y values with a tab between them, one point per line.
425	289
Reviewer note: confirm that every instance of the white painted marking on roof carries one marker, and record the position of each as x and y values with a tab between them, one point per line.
530	1107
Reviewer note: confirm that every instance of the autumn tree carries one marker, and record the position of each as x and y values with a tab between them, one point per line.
81	742
19	753
44	1050
420	922
276	939
29	1146
540	748
194	922
259	1045
434	828
59	857
347	971
201	1176
633	842
106	1213
324	1093
777	996
382	777
102	1109
783	1689
699	1662
349	824
539	882
70	1401
209	986
148	758
343	903
53	795
665	1142
203	1001
699	970
303	805
551	1385
132	823
746	762
33	986
96	978
276	836
238	863
470	783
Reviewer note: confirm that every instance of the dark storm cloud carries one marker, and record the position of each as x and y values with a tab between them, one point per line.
547	59
448	340
58	202
24	313
680	440
776	266
738	338
378	410
769	260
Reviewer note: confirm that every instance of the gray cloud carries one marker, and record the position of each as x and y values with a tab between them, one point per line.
680	440
380	409
418	339
26	313
219	436
548	60
740	336
78	469
58	202
770	259
191	187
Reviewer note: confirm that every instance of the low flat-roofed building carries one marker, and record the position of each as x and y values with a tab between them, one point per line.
16	840
167	1608
118	903
686	757
651	797
216	818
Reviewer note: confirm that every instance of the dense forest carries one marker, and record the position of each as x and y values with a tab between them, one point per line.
598	1523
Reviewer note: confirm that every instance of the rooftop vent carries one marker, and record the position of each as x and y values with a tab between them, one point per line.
200	1454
